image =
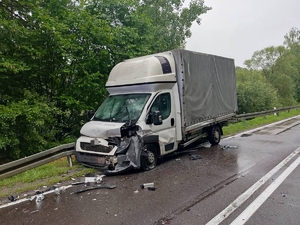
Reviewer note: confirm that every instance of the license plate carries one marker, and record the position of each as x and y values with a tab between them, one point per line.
93	159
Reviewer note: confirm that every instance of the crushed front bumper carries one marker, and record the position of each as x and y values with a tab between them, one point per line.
96	153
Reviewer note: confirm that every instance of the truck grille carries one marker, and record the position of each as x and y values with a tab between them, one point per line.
95	148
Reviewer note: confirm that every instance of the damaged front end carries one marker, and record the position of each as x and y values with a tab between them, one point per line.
115	155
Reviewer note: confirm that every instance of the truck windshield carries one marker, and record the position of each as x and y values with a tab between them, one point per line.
122	108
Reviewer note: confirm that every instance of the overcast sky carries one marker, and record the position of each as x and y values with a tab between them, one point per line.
238	28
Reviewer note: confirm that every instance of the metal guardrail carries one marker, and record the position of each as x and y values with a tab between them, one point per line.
41	158
21	165
245	116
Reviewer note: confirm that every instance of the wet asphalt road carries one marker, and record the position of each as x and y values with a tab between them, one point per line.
189	191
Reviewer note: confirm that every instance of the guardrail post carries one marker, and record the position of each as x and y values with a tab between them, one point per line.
244	122
70	160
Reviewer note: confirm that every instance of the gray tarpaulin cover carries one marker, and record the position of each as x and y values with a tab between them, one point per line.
207	86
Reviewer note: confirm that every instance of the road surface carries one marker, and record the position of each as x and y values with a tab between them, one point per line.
251	178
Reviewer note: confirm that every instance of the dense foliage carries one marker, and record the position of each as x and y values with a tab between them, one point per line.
271	77
55	56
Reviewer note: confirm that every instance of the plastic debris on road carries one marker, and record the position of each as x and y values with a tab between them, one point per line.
147	185
39	198
13	198
151	188
225	147
194	157
102	186
90	178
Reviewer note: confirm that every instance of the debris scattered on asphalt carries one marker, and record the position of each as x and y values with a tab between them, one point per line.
194	157
13	198
225	147
147	185
136	191
39	198
178	159
102	186
77	183
151	188
90	178
57	191
34	211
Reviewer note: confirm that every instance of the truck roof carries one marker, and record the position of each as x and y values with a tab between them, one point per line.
152	72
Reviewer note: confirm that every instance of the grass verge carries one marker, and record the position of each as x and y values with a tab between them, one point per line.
46	175
59	170
234	128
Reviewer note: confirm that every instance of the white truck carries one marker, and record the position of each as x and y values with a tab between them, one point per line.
158	104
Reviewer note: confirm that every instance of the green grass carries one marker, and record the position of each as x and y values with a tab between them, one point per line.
59	170
45	175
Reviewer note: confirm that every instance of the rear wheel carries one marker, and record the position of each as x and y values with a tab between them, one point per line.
149	157
214	135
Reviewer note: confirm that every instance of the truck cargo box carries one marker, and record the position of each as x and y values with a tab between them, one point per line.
207	86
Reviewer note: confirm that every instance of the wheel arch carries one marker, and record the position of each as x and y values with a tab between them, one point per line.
153	140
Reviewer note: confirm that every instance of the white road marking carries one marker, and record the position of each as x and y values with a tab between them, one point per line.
251	209
243	197
28	199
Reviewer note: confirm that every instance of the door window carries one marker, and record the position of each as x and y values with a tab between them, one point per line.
163	104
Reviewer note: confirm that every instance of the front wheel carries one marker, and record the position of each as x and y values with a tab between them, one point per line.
149	157
214	135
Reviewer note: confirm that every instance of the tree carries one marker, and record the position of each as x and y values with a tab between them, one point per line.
56	56
265	60
27	126
146	27
254	93
292	39
276	64
292	43
171	21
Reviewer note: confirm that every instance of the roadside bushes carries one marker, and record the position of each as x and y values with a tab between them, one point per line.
254	93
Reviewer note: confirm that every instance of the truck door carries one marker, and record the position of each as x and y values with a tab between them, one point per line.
166	131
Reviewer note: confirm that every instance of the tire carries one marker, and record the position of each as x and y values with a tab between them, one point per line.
214	135
149	157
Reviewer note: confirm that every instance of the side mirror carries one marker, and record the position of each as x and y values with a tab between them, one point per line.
149	119
90	114
157	119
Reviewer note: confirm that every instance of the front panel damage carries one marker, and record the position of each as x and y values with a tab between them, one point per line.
114	155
